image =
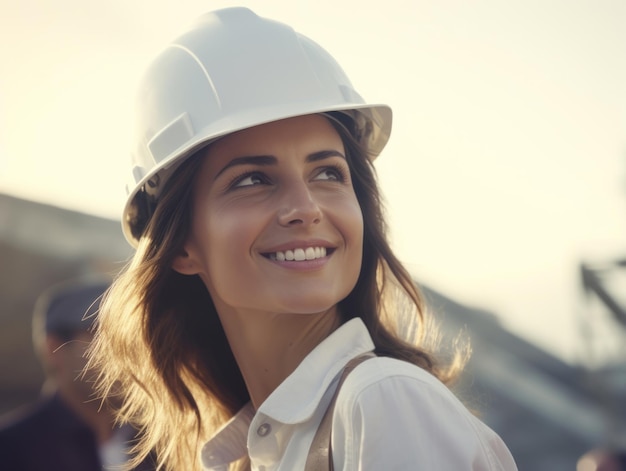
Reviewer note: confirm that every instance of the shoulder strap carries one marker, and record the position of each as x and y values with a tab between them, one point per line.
320	456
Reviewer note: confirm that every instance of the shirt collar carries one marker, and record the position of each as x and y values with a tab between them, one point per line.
230	443
297	397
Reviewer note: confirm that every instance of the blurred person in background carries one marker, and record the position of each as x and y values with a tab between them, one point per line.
602	459
67	429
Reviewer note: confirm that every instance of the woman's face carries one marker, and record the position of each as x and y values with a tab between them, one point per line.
276	223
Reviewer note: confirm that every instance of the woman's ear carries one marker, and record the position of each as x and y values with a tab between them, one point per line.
185	264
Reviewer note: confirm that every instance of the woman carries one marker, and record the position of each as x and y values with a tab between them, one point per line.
262	269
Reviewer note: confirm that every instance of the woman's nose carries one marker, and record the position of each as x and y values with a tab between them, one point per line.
299	206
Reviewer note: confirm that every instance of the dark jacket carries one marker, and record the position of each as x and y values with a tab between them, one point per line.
50	437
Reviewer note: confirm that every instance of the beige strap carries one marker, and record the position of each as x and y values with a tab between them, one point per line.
320	456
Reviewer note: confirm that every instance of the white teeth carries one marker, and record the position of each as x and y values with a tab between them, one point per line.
310	253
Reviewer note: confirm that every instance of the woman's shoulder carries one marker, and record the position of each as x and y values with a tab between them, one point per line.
404	392
385	371
399	387
385	397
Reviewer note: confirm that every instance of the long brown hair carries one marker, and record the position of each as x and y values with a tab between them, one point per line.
160	342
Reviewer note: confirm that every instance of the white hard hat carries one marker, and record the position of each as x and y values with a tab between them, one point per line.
233	70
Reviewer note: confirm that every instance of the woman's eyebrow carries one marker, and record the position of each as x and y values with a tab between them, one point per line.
265	160
249	160
324	154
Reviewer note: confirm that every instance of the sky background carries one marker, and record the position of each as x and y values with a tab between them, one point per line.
507	162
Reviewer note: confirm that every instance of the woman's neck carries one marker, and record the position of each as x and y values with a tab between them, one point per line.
269	347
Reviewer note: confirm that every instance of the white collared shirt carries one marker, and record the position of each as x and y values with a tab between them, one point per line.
389	415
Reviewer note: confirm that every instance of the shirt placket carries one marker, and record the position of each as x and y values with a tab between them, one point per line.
263	446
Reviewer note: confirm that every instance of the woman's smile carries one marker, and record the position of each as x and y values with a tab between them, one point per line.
301	259
299	251
299	255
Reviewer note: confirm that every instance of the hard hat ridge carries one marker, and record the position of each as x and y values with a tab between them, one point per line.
229	71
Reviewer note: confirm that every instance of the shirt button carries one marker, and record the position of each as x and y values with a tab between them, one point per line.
263	430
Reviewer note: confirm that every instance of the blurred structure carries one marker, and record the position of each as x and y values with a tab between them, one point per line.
603	328
547	411
540	405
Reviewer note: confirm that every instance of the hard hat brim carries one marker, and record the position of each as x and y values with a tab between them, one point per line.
379	115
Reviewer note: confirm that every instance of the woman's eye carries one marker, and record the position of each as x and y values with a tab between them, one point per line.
249	180
333	174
